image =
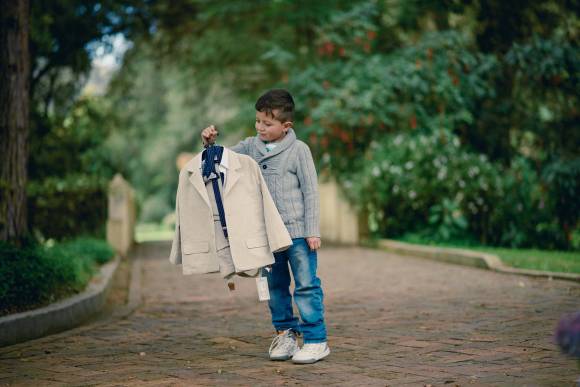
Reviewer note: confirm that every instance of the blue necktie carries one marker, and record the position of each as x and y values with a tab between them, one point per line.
213	156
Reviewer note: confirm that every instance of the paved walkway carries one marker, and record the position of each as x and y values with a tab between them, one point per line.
392	320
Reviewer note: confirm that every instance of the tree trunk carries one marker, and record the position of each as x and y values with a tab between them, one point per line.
14	118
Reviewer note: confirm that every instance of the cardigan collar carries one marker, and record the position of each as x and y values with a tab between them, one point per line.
286	142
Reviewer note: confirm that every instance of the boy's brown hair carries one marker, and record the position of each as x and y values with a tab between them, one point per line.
277	99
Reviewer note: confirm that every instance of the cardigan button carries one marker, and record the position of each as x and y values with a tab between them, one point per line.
264	166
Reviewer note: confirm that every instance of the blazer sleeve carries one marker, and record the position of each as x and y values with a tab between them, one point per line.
175	255
278	236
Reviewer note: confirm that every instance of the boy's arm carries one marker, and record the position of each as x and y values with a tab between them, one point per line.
209	136
243	146
308	179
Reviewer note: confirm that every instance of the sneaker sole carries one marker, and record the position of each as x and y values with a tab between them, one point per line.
282	358
310	361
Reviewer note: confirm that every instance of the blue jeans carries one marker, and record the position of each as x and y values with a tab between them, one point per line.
307	292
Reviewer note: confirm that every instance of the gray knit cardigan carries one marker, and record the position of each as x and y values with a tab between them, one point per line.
291	178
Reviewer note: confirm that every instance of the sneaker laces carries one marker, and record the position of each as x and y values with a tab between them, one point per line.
283	340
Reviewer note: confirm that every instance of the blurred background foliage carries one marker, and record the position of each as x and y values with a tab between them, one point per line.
446	119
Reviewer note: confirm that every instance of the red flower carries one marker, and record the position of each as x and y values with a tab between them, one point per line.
308	121
341	51
371	34
413	122
325	84
329	48
344	136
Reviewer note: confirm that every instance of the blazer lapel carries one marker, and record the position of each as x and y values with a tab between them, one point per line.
233	171
195	177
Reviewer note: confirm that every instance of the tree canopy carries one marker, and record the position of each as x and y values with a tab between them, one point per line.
496	80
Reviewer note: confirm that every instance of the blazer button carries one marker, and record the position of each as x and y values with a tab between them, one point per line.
264	166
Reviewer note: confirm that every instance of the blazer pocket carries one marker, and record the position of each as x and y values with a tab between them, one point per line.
253	243
195	247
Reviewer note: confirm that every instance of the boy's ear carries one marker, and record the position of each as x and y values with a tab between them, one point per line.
287	125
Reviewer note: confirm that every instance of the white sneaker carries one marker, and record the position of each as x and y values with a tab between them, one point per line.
284	345
311	353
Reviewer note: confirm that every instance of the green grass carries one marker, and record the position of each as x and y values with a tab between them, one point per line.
546	260
560	261
146	232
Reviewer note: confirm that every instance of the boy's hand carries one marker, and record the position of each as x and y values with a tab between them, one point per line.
313	242
209	134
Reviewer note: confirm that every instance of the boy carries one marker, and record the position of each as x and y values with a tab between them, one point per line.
287	166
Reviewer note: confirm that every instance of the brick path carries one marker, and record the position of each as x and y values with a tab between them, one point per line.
392	320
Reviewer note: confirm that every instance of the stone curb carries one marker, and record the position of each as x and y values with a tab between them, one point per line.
468	258
61	315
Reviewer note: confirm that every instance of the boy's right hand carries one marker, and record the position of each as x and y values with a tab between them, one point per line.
209	134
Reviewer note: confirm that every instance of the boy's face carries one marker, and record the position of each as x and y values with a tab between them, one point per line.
269	128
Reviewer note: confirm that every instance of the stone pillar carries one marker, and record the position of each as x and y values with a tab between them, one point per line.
121	217
339	221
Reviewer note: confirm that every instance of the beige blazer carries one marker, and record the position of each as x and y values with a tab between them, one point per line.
255	228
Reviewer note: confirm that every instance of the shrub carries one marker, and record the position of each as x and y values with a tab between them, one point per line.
86	248
411	181
523	214
562	182
26	277
59	208
431	185
38	274
512	176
